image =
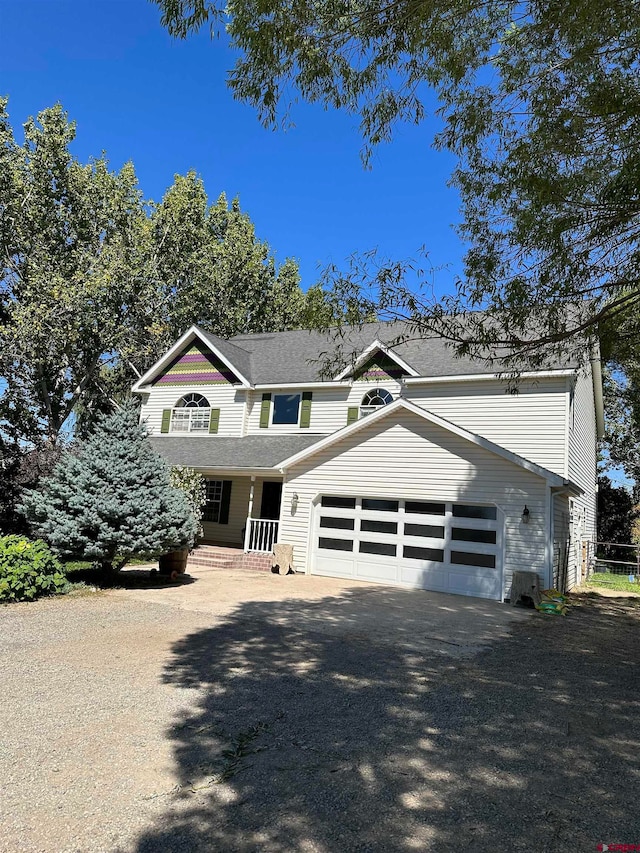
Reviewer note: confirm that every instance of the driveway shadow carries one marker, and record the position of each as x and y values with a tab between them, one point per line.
306	737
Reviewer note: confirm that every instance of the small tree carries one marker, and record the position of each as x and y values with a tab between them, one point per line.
192	484
111	499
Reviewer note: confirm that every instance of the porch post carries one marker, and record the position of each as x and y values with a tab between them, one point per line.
247	532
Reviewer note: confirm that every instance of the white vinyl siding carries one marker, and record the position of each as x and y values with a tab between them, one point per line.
229	399
531	423
406	458
329	407
583	451
230	533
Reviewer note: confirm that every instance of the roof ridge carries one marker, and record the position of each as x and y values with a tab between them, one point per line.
226	341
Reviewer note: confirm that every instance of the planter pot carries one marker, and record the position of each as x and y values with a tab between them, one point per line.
174	563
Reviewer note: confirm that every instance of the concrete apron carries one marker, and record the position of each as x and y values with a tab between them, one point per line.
416	620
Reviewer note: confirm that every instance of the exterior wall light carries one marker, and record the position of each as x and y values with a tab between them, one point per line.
294	502
526	514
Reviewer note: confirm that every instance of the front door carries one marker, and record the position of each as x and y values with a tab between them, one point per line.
271	496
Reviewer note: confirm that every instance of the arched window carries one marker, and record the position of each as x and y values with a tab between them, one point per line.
191	414
374	400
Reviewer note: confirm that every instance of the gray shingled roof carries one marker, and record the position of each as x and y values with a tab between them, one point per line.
239	358
289	357
250	451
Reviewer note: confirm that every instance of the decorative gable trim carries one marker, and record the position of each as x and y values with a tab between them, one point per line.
168	358
196	365
366	355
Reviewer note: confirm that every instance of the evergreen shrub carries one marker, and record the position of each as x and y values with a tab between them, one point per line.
112	499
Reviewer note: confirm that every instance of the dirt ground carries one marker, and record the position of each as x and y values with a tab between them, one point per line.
249	712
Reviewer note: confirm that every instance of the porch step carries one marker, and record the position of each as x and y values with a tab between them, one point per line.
214	557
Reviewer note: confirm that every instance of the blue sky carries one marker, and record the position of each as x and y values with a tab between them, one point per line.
140	95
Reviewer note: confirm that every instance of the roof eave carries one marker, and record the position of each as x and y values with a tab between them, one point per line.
469	377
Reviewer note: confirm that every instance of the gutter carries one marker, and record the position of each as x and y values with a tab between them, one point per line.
470	377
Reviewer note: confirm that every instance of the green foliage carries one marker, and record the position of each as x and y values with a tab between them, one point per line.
213	271
616	515
192	484
111	498
540	104
620	583
28	569
96	282
73	282
622	394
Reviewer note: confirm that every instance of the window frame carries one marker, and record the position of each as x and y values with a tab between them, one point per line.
213	502
365	409
204	415
274	397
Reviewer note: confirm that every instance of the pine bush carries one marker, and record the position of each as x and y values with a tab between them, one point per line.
111	497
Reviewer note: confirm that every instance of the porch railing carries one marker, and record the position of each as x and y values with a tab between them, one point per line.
260	535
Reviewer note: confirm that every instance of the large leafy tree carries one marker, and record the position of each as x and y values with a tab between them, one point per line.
214	271
540	102
96	282
73	282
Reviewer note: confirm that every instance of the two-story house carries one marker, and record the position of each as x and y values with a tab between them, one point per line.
410	467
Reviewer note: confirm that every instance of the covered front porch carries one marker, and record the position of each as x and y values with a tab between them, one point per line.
243	481
242	512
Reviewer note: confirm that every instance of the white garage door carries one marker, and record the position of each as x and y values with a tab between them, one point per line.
448	547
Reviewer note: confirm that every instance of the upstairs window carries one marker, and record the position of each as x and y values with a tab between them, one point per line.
286	409
191	414
374	400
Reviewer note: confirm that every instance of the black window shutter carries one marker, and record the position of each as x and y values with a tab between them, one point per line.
226	500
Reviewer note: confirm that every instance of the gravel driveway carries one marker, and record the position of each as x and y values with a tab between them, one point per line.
316	716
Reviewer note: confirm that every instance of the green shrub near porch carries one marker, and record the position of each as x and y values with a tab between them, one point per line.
28	569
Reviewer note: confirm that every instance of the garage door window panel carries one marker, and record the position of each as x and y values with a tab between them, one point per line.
337	523
328	544
372	525
488	513
467	534
385	549
380	505
433	555
338	502
422	508
431	531
466	558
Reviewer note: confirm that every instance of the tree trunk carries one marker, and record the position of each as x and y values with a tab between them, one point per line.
107	571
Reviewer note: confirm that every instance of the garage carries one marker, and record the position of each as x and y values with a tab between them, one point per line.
437	545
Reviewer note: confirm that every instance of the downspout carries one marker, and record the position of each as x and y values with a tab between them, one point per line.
596	376
550	536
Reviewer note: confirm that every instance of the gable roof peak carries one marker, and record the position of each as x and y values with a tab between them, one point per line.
375	346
